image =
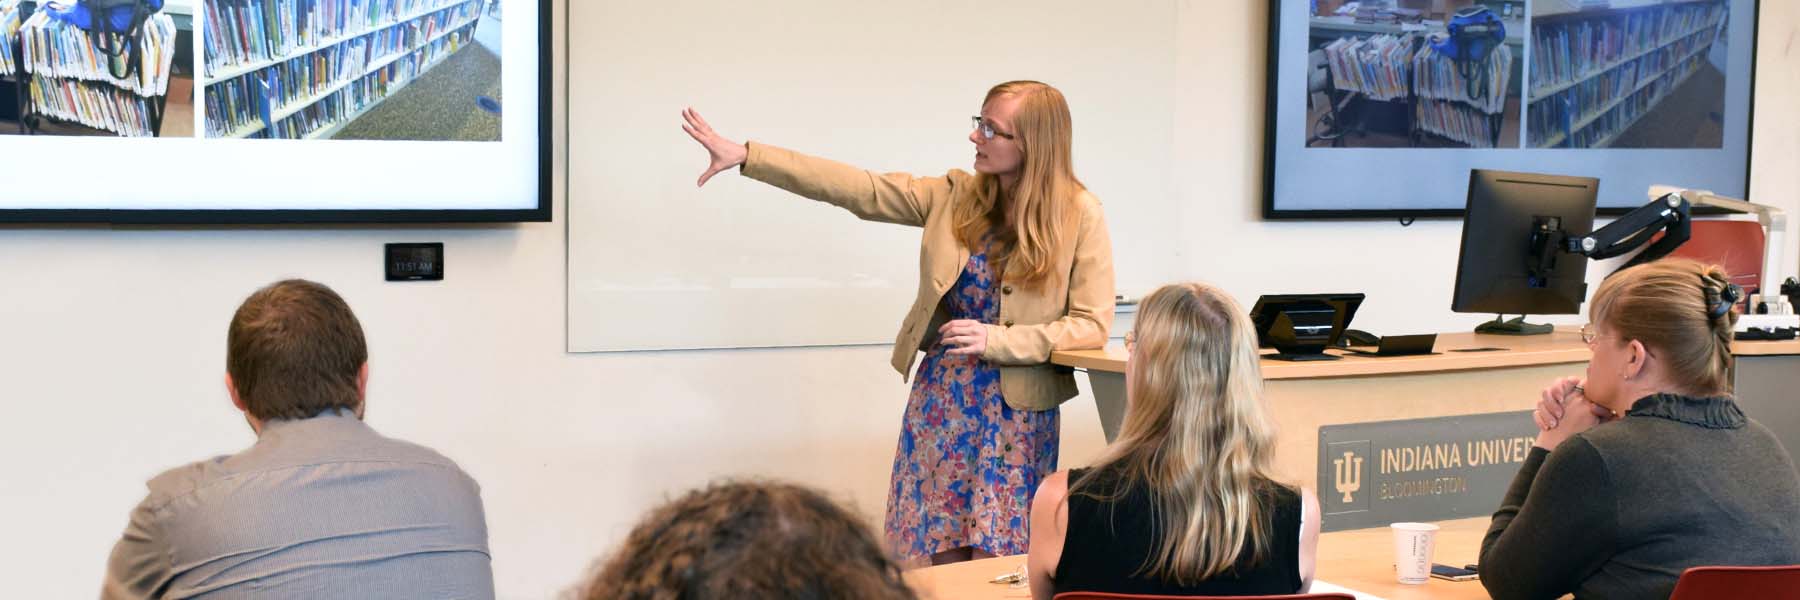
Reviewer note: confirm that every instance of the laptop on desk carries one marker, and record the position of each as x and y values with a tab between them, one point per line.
1400	345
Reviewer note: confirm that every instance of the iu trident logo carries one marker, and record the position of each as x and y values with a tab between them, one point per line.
1349	474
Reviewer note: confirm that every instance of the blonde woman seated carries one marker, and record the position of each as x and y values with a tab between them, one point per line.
1183	502
1647	467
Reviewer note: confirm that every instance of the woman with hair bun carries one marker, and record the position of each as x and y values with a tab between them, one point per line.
1646	467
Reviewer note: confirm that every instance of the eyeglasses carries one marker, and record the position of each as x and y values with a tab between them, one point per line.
1130	341
987	129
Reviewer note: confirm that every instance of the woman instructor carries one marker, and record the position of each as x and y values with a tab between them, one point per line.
1015	262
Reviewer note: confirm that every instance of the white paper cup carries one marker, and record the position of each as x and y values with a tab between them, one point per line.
1412	551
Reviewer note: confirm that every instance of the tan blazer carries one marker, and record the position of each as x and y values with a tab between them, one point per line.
1072	312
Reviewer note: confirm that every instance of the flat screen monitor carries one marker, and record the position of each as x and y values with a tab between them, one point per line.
1377	108
276	111
1511	262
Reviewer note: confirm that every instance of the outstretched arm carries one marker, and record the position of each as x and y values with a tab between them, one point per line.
897	198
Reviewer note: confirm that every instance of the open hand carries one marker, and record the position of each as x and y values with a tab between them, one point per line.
725	153
967	337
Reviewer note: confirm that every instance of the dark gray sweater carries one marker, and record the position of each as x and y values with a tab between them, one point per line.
1619	511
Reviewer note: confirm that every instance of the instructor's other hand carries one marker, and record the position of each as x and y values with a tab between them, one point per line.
964	336
725	153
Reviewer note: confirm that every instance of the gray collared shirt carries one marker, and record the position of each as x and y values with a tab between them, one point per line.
317	508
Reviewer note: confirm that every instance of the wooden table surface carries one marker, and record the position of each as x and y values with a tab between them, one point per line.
1562	346
1361	560
1453	354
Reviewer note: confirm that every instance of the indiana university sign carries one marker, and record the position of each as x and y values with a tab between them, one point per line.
1372	474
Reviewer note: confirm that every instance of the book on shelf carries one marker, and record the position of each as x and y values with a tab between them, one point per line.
1378	66
1567	124
1439	77
1598	74
250	32
53	48
1572	49
363	94
313	90
72	80
9	36
92	104
1456	121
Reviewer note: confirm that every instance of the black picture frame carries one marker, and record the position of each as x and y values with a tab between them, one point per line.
542	213
1271	116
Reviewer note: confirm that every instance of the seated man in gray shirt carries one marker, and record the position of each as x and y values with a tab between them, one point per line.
321	506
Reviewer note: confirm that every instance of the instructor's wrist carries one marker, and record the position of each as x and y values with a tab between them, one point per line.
994	334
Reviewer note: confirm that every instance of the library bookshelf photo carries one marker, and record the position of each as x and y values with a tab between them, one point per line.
1414	74
1627	74
424	70
67	70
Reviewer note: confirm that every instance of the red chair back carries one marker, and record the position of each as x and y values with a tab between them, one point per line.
1107	596
1705	583
1735	245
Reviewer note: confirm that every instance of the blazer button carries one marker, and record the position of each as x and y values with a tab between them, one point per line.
1009	322
1006	289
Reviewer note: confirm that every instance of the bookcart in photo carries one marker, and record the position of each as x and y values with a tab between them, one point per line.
1443	99
326	69
1404	78
11	73
1599	70
1458	103
64	81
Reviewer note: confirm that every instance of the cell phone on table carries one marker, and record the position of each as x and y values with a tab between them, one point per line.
1449	573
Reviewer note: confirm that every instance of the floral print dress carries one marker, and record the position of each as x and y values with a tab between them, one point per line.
967	464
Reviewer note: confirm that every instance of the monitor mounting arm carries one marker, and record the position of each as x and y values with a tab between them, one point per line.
1669	213
1773	220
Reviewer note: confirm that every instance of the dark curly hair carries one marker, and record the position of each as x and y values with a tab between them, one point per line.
748	539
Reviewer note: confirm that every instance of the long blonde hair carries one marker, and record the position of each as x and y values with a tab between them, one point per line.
1667	306
1196	435
1041	204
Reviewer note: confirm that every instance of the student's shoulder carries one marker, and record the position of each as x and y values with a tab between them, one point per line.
1594	453
185	479
1620	439
403	451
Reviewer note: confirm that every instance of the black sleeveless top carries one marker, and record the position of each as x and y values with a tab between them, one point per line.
1108	542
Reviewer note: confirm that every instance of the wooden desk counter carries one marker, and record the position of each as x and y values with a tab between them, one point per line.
1781	348
1561	346
1361	560
1304	396
1452	355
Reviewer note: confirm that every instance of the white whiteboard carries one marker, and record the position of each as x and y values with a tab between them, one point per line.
655	263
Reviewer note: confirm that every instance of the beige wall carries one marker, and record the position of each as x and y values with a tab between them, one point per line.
113	347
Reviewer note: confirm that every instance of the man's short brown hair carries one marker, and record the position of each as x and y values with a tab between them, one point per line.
294	350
